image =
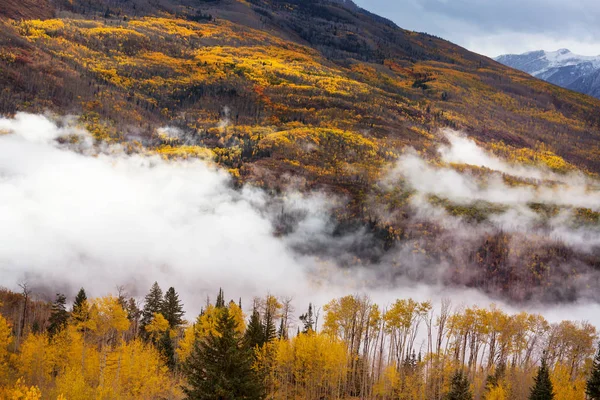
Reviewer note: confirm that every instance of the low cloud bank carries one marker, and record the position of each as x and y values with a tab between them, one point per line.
514	211
76	215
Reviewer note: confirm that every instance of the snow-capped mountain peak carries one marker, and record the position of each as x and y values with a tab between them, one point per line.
561	67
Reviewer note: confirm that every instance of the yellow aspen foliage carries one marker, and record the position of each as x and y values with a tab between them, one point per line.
402	384
266	362
565	387
70	367
136	370
186	345
157	326
207	321
363	351
20	391
5	340
73	386
388	382
82	355
238	316
314	364
496	393
110	318
34	363
80	317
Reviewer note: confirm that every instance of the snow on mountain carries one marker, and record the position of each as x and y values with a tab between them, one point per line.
561	67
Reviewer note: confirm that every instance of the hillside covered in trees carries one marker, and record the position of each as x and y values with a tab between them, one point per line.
114	347
323	97
301	146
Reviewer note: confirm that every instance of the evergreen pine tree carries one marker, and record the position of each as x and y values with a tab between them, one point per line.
270	332
592	389
59	315
220	367
79	313
308	320
495	380
152	304
459	387
542	387
122	296
172	309
282	332
166	348
220	303
79	300
133	314
255	332
410	362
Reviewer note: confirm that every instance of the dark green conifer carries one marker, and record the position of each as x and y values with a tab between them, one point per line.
79	300
542	387
152	304
255	332
270	332
459	387
592	389
172	309
220	303
59	315
166	348
308	319
495	380
80	314
220	367
282	332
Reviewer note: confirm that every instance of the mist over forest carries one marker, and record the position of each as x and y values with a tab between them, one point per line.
288	199
129	219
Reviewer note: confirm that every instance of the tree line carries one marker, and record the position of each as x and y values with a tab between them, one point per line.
115	347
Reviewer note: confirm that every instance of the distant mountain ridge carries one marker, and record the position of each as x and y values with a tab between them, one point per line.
562	68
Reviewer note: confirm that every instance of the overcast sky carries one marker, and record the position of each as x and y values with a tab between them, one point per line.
494	27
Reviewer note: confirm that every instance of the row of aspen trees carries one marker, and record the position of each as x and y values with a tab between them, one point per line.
113	348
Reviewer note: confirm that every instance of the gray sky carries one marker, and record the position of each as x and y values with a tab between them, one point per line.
494	27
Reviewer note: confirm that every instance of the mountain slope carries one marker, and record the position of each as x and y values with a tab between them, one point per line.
319	95
562	68
26	9
589	84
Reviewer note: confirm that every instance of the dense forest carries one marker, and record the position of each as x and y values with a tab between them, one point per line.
310	141
116	347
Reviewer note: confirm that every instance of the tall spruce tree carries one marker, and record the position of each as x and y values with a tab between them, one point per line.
79	299
172	309
459	387
542	387
152	304
308	319
255	332
133	315
592	388
495	380
220	366
80	313
166	348
270	332
59	315
282	332
220	303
